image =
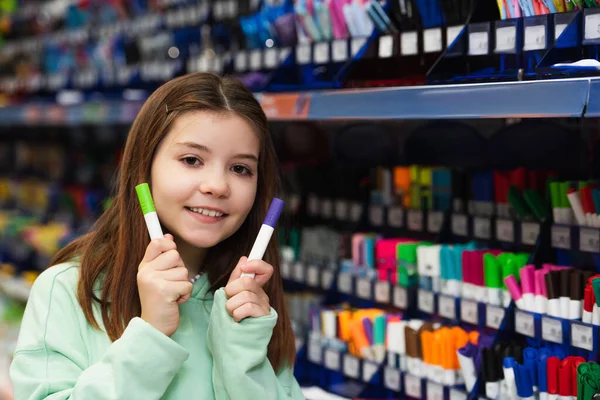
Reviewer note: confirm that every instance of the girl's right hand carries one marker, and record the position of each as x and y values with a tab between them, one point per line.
163	284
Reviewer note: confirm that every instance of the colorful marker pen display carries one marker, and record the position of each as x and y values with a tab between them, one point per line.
152	222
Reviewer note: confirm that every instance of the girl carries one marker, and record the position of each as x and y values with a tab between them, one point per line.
118	318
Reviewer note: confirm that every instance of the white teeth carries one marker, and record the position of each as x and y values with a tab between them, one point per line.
213	213
208	213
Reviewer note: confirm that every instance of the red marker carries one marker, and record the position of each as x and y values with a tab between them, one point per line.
575	363
552	366
565	375
588	304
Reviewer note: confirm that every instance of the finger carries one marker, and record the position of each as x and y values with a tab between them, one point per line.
156	247
241	284
165	261
263	271
184	299
237	271
177	290
242	298
249	310
177	274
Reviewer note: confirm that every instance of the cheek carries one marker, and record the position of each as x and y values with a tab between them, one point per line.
169	187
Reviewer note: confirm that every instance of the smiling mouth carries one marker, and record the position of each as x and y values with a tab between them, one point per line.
207	213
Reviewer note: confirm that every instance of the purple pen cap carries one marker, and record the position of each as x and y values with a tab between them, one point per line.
274	211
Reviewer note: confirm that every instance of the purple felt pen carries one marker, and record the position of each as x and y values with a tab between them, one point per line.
266	231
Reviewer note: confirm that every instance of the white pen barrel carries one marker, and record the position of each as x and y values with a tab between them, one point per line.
153	225
260	245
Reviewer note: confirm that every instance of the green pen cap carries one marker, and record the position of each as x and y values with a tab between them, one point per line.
555	194
596	287
379	329
564	190
516	201
145	198
492	271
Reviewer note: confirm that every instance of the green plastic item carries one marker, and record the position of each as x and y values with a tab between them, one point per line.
406	256
516	201
596	287
379	329
555	194
536	203
564	200
145	198
492	271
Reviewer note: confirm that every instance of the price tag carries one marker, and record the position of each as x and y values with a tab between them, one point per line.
351	366
469	312
332	359
327	208
369	371
482	228
505	230
326	279
345	283
561	237
435	219
315	351
447	307
452	33
284	53
255	60
589	240
386	46
321	53
341	210
340	50
456	394
506	39
460	225
241	61
313	274
412	386
524	323
409	43
535	38
232	9
426	301
400	297
356	45
552	330
494	317
271	58
382	292
391	379
582	336
395	217
299	272
435	391
415	220
529	233
364	288
355	212
432	40
286	270
559	29
478	43
313	205
303	54
376	215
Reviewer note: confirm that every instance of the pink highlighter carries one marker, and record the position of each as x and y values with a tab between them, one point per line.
515	291
527	287
385	259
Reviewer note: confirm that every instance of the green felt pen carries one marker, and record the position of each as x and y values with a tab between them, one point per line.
147	204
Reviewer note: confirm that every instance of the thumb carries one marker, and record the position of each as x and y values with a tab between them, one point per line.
237	271
169	236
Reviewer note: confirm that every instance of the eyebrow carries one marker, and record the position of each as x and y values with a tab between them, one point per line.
205	149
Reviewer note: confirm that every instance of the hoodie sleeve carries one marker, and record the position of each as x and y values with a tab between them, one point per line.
241	369
51	360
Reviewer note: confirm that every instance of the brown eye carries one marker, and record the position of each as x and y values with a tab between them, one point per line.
241	170
191	161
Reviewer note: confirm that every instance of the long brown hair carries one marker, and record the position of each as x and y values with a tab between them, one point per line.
115	246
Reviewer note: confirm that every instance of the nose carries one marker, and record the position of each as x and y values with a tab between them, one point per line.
214	184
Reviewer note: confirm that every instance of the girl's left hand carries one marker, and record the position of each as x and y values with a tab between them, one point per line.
246	297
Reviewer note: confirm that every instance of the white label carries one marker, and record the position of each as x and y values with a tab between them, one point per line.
400	297
386	46
561	237
286	270
351	366
369	370
321	53
482	228
552	330
232	8
494	316
364	288
340	50
376	215
313	205
356	45
327	208
435	219
505	230
412	386
432	40
255	60
395	217
524	324
284	53
559	29
456	394
589	240
469	312
592	27
460	225
506	39
582	336
355	212
409	43
271	58
447	307
414	220
313	274
345	283
452	33
382	292
478	43
303	55
391	379
326	279
529	233
299	272
341	210
435	391
535	37
332	359
426	301
315	351
241	61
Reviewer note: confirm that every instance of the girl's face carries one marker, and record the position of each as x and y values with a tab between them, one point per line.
204	177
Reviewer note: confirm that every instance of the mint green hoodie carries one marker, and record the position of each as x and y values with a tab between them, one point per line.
60	356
